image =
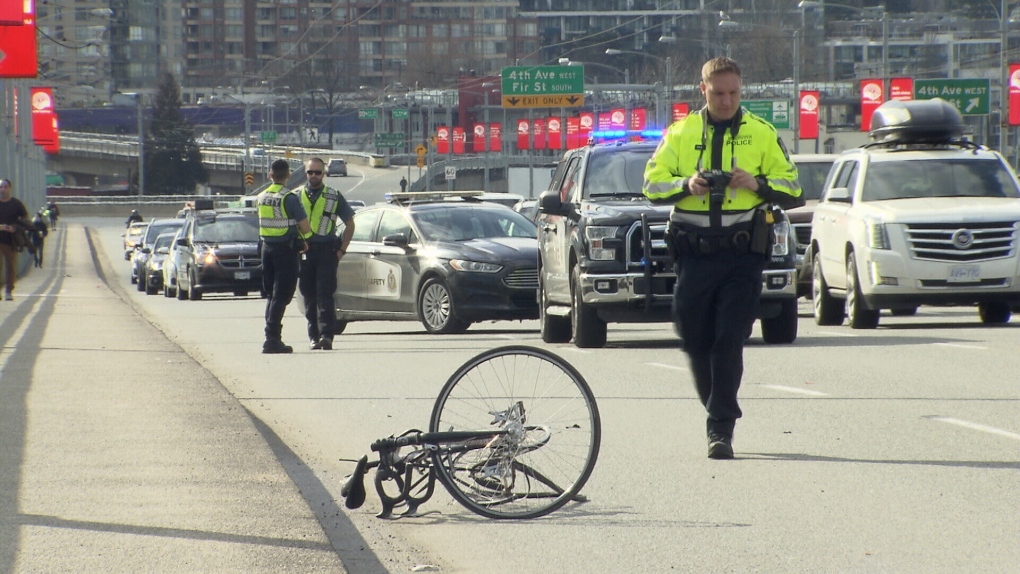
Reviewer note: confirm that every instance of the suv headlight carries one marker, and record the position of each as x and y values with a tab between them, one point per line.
878	235
595	234
474	266
781	243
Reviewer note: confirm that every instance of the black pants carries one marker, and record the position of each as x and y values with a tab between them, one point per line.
715	303
279	279
317	285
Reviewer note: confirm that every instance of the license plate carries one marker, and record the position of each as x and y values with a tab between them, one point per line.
964	274
242	275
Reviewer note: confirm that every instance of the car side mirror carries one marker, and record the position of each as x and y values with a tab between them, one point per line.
182	242
838	195
395	240
549	202
163	250
146	250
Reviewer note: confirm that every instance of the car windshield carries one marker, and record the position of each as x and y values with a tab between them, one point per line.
232	230
616	173
465	223
164	241
157	229
938	178
811	176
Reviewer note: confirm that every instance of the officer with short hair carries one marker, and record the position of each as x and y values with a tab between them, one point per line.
317	281
722	168
282	222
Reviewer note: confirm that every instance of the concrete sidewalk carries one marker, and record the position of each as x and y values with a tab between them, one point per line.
119	453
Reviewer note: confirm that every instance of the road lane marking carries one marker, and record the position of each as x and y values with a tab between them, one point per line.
796	390
665	366
959	346
978	427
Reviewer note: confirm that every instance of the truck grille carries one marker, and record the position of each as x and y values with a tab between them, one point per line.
803	232
967	242
524	278
635	245
239	261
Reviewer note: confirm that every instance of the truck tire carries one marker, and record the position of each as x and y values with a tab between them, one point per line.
828	310
781	329
994	313
588	329
858	316
554	329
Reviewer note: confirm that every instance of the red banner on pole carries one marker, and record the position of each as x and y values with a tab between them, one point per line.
680	111
478	141
605	121
901	89
638	118
442	139
523	129
555	133
574	133
587	125
17	44
872	96
538	126
12	13
495	136
42	115
54	146
809	104
1014	95
618	119
458	139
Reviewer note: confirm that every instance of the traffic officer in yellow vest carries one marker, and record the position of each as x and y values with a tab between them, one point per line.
723	169
282	222
317	282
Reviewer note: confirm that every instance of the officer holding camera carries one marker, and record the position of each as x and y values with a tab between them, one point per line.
724	169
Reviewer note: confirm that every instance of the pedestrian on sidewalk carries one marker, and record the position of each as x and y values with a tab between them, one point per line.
282	224
39	232
324	206
12	211
403	184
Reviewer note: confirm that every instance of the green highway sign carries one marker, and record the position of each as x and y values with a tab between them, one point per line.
268	137
970	96
400	113
531	86
776	112
368	114
389	140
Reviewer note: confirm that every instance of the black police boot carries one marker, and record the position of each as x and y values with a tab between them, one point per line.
326	343
315	344
720	447
276	346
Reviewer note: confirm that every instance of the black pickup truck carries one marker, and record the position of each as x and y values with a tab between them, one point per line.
603	258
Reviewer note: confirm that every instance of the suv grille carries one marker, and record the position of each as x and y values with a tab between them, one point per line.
239	261
524	278
635	247
967	242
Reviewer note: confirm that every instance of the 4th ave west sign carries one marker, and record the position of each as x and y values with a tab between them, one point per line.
970	96
542	86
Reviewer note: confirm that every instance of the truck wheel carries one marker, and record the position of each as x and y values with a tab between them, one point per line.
193	293
555	329
435	309
994	313
858	316
828	309
588	329
150	289
781	329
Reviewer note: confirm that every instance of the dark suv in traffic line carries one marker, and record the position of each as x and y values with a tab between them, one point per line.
218	252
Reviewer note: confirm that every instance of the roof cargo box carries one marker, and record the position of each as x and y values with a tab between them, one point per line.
916	121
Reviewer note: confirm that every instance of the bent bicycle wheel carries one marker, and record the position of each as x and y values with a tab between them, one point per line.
549	438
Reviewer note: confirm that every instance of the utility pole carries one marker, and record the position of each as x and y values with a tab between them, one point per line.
1004	77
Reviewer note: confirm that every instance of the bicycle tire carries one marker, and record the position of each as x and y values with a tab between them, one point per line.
515	479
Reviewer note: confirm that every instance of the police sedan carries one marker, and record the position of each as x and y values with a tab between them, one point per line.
447	260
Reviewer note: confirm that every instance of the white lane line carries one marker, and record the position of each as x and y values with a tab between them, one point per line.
796	390
959	346
837	334
665	366
978	427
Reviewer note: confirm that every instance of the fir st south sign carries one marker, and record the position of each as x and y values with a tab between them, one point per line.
542	86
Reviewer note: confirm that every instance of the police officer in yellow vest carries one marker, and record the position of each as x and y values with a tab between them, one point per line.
317	282
722	168
282	221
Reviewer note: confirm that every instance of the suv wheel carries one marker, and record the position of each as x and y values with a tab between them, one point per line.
554	329
828	309
435	309
781	329
994	313
193	293
588	329
858	315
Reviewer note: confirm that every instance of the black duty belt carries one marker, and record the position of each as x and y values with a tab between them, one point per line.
700	241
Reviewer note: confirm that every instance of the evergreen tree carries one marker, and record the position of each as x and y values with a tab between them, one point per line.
173	161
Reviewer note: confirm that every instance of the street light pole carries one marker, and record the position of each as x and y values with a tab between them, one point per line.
795	115
1003	78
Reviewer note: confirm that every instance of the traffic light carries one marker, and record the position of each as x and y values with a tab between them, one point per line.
249	179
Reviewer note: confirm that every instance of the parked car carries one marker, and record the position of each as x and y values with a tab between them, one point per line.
336	166
132	235
445	263
219	252
813	169
152	276
920	216
155	228
355	204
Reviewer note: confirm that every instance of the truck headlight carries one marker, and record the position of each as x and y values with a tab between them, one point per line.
595	234
781	239
474	266
878	235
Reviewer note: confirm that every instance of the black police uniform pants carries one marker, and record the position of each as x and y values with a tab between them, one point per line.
318	284
279	279
715	302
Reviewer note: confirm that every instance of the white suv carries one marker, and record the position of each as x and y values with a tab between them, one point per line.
920	216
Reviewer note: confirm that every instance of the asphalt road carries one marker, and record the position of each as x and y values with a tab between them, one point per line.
893	450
